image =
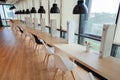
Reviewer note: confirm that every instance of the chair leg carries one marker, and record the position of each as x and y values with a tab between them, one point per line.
72	75
36	47
24	36
45	58
31	44
40	48
21	35
55	74
62	75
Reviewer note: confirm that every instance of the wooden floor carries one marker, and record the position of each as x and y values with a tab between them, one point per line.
18	61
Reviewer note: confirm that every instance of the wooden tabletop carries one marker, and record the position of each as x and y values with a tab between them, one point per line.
107	67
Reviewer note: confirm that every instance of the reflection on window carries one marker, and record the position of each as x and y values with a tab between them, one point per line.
2	12
101	14
118	53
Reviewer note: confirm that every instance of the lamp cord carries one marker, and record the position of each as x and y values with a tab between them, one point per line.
23	5
33	3
54	1
40	2
27	4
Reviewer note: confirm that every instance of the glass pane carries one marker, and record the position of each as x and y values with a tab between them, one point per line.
1	12
102	11
9	13
76	39
118	53
4	23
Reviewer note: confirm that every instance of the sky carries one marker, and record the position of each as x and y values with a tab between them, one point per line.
109	6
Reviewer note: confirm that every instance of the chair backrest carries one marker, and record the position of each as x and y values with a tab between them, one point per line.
59	62
20	29
64	63
48	48
36	39
44	43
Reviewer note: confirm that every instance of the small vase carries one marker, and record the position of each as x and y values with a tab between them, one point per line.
87	49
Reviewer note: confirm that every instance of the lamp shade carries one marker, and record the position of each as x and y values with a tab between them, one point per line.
27	11
41	9
12	7
33	10
54	9
20	12
23	11
16	12
80	8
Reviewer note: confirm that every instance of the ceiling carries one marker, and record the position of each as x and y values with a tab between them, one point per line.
3	0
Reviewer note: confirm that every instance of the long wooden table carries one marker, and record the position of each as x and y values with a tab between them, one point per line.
107	67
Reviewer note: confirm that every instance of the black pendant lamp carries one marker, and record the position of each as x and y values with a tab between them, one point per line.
33	10
20	12
55	8
16	12
23	11
41	9
80	8
12	7
27	11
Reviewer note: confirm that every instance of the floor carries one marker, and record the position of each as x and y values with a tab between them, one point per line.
18	61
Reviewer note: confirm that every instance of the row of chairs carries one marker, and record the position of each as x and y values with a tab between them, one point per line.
61	63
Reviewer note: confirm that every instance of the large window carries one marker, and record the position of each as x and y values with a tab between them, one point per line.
2	12
102	12
9	13
6	14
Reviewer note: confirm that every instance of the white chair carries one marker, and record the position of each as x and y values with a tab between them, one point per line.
50	50
91	76
64	64
36	41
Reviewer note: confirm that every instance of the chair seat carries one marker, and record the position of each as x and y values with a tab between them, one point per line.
38	41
